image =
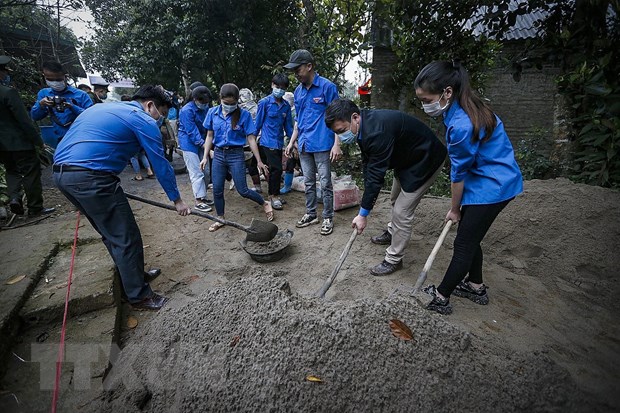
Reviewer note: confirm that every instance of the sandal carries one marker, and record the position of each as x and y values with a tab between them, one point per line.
268	210
215	226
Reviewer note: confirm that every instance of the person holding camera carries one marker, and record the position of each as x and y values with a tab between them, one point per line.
61	102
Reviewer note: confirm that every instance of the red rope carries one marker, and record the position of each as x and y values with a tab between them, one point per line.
61	346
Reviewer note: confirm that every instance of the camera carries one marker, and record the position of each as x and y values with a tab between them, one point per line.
60	103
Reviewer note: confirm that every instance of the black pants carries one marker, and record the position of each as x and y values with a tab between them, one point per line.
101	199
291	163
467	257
23	170
273	159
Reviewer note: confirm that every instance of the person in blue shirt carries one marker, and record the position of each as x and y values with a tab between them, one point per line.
316	142
192	136
61	102
484	173
273	119
86	166
229	128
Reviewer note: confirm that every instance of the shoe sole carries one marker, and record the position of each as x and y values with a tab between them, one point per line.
307	224
443	310
381	242
327	232
478	299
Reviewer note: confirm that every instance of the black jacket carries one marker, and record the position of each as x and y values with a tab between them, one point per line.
394	140
17	132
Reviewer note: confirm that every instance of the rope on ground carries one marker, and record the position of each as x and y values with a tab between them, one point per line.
61	346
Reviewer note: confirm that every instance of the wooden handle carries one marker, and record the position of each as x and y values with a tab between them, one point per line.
194	212
431	258
343	256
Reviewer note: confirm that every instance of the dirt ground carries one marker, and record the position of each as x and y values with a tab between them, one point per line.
551	264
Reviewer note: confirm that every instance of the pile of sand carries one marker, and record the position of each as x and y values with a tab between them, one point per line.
251	345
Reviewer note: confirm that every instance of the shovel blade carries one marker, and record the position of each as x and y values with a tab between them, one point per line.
261	231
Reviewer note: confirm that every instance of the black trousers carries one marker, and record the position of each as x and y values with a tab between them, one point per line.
99	196
467	256
273	159
23	170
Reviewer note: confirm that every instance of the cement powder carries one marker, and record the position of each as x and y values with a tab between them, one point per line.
249	346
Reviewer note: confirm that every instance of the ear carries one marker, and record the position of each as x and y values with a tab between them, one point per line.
448	93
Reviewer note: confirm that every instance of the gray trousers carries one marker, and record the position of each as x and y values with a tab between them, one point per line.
99	196
403	208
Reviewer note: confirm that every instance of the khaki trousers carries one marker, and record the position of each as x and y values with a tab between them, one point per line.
403	208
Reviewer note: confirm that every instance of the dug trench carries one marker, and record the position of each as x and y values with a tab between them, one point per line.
241	335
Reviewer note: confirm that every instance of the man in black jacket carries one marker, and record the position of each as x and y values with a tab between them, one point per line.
18	139
394	140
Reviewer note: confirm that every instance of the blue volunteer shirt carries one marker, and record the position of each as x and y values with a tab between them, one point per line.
489	169
272	120
105	137
79	99
223	132
191	131
310	105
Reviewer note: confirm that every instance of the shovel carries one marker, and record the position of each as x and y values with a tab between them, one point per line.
343	256
258	231
431	258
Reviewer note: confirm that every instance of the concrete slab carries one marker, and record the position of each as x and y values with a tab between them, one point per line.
91	288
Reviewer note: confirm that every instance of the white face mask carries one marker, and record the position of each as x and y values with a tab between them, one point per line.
56	85
435	109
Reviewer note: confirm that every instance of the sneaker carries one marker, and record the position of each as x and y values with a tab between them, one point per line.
16	206
306	220
477	295
327	227
276	204
440	305
207	201
383	239
203	207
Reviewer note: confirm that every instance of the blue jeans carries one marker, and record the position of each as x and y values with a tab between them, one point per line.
99	196
311	162
230	161
136	165
198	178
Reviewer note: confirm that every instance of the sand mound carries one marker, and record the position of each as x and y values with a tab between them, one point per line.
250	346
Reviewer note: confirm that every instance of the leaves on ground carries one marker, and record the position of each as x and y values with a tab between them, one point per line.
400	330
132	322
15	279
235	340
314	379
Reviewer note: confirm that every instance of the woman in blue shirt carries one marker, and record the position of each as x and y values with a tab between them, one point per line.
192	136
484	174
228	127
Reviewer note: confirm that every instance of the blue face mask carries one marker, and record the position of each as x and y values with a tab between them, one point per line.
6	81
278	93
348	137
229	108
201	106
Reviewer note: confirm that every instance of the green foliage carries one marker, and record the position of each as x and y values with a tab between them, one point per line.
533	155
442	185
427	30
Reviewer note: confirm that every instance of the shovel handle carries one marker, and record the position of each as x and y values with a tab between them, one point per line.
431	258
343	256
194	212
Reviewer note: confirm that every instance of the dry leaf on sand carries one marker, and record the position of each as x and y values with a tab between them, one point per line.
314	379
15	279
400	330
132	322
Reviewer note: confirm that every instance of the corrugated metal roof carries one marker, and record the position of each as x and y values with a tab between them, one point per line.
525	25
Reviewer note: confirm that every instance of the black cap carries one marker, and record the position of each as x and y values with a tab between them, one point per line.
298	58
195	85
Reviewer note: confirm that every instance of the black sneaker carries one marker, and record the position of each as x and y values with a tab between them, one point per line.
440	305
16	206
477	295
208	201
203	207
306	220
383	239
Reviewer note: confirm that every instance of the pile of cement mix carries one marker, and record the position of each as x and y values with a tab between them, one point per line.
250	346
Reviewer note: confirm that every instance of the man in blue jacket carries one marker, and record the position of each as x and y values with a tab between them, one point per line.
61	102
86	166
394	140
